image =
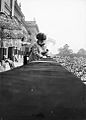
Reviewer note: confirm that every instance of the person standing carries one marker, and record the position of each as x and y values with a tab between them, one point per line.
25	59
37	48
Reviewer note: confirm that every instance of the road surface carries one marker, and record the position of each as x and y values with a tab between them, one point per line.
40	91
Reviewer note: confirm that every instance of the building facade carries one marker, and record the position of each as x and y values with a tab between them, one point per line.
6	7
33	30
13	46
29	30
19	16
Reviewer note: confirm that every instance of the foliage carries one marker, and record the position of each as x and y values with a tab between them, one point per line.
81	52
41	36
10	34
9	27
65	51
7	22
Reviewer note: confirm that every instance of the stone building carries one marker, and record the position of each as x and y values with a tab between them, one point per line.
26	37
19	16
13	46
33	30
6	6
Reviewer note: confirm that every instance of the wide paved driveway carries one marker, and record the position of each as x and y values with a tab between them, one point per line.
41	91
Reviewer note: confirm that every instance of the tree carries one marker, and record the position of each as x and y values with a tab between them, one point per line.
7	25
81	52
65	50
10	28
7	22
41	36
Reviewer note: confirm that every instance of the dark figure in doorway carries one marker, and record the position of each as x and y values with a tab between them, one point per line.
25	59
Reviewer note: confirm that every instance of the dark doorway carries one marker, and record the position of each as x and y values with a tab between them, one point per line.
10	53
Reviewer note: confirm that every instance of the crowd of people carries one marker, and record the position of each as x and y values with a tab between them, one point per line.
7	64
76	65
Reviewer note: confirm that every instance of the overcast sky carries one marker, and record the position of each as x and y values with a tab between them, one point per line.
62	20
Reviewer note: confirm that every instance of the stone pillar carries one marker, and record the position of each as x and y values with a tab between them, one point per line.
13	7
2	5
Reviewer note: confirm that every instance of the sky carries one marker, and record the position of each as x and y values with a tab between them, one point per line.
63	21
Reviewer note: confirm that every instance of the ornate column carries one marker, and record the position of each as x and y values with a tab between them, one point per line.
2	5
13	4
